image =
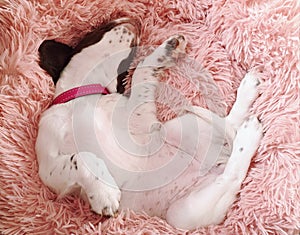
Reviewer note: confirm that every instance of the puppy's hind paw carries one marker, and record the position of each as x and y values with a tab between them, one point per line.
248	90
248	136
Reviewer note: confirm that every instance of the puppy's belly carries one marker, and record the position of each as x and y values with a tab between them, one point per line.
148	183
156	201
151	181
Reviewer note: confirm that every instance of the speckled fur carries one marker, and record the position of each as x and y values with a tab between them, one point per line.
71	159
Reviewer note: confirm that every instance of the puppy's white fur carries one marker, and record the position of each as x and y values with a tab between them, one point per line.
187	170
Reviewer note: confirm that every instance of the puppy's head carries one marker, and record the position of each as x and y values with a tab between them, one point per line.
114	36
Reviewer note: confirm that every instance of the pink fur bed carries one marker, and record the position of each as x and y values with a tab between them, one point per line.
226	37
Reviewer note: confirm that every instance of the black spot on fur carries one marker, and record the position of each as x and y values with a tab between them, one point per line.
75	164
241	149
160	60
72	157
264	133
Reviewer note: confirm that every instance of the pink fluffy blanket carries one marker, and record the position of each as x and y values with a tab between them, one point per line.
226	37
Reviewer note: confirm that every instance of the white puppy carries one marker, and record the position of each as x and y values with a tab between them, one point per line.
115	150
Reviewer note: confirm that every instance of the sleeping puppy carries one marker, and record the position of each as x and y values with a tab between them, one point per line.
113	149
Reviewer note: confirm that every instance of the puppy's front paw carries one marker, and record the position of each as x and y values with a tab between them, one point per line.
171	49
104	199
165	55
175	46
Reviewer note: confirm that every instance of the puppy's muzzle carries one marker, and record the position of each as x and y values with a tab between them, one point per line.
133	26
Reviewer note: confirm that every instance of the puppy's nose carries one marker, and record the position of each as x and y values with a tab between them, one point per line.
133	26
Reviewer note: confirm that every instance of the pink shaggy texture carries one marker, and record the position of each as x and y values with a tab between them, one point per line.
227	37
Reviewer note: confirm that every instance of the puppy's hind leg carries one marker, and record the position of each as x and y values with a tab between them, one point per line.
210	204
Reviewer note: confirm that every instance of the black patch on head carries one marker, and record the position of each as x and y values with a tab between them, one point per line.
54	56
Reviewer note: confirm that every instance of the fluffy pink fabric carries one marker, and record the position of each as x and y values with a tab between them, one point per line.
226	37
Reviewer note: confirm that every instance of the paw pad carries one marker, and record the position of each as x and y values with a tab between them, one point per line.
176	44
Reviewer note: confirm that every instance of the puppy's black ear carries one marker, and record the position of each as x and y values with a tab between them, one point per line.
123	71
54	56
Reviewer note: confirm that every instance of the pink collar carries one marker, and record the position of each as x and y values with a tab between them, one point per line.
79	92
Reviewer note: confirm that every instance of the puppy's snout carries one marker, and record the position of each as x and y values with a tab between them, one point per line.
131	26
132	29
